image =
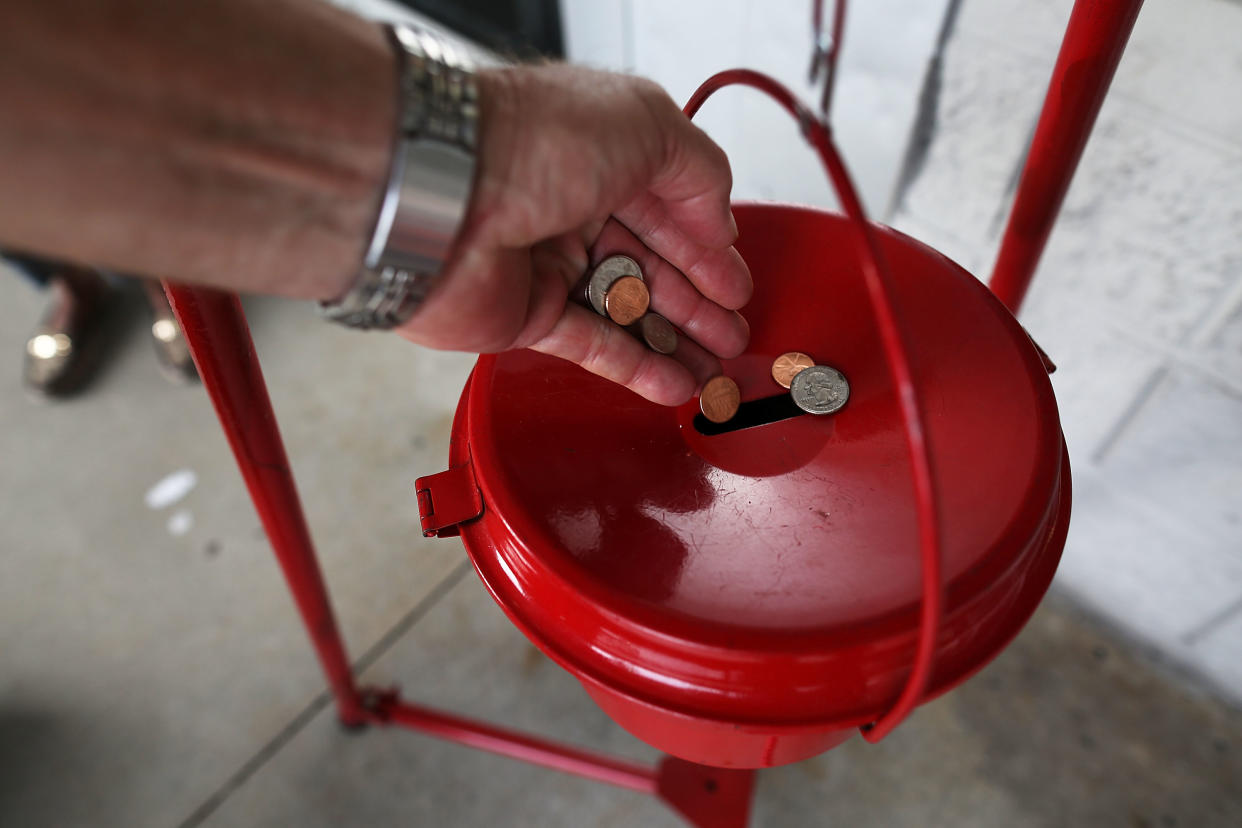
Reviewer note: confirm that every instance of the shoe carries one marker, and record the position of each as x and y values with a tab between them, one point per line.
170	344
62	354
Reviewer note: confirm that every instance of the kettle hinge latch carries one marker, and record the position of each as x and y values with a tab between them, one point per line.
448	499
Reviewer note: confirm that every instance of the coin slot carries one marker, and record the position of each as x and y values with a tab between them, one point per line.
752	414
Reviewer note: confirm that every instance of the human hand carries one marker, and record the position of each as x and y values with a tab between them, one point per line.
574	165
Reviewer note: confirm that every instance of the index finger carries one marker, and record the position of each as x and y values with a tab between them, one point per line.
693	179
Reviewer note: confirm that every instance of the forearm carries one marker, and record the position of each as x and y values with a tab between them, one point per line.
233	143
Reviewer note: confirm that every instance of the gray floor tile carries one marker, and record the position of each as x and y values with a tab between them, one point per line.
1031	27
1136	561
1100	373
1183	453
989	102
971	257
1219	340
1147	237
1194	89
465	657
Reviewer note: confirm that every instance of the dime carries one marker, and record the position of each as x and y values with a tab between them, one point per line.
627	300
786	367
605	273
820	389
658	333
719	399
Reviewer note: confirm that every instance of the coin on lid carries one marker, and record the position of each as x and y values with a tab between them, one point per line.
719	399
820	389
627	300
789	365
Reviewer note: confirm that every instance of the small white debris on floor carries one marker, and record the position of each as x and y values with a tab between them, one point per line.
180	522
171	489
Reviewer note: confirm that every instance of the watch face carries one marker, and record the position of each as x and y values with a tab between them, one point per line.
522	27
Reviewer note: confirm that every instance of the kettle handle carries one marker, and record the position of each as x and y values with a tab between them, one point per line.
880	291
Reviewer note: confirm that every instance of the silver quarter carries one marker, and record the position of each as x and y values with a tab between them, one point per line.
820	389
604	274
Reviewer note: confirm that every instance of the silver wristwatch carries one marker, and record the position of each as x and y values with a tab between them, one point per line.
428	186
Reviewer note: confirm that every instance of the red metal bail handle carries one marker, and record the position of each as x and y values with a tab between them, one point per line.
880	291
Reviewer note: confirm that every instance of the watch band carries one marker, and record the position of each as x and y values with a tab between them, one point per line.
428	186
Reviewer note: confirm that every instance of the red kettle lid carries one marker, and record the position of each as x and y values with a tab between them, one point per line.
771	573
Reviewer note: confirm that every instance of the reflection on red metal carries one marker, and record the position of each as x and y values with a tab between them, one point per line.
1092	47
219	339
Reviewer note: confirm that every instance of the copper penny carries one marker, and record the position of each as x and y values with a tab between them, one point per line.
604	274
627	300
658	333
719	399
789	365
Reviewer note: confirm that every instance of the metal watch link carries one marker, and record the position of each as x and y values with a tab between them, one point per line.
428	186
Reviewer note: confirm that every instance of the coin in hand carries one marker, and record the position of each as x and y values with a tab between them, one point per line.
657	332
605	273
820	389
627	300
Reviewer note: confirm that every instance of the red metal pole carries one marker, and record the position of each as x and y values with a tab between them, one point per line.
219	340
1094	40
521	746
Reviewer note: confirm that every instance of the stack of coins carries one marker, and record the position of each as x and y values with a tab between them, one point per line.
616	290
816	389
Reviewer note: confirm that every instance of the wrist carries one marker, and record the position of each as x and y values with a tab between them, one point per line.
499	142
428	184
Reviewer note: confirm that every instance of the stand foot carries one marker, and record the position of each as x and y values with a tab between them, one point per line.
706	797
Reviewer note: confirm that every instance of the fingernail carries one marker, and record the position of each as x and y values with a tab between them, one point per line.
733	224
